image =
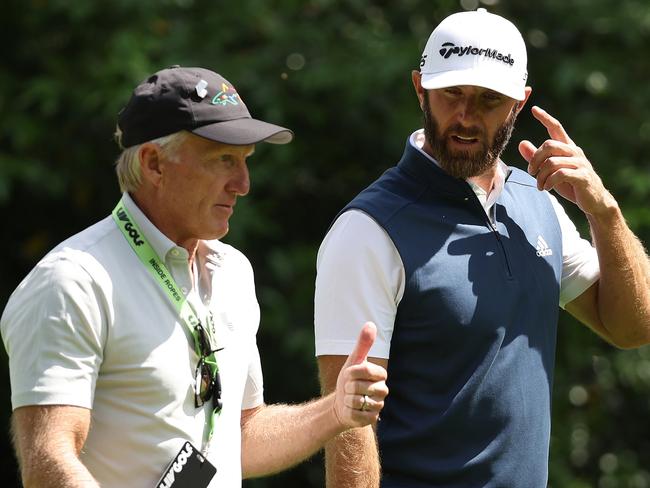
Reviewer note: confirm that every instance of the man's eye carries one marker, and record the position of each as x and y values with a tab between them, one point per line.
492	97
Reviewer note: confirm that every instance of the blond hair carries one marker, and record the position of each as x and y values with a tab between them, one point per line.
127	165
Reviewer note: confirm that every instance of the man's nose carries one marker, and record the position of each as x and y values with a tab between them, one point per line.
467	109
240	183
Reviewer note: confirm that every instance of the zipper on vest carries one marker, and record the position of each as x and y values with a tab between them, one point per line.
492	226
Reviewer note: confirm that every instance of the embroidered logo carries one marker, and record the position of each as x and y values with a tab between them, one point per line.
449	48
225	96
542	248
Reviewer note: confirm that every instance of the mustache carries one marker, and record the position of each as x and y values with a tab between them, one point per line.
469	132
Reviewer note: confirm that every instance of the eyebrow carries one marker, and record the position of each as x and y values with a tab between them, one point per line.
221	152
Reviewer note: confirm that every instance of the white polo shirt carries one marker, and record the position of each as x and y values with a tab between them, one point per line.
360	275
90	327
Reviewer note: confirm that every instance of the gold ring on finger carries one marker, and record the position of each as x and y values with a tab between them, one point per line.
364	404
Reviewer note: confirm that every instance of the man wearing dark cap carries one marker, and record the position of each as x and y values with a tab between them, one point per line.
133	357
461	262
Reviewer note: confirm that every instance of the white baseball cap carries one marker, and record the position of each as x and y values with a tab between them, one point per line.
476	48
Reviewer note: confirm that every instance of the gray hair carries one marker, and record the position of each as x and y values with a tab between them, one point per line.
127	165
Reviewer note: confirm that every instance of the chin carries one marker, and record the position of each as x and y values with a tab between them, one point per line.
218	234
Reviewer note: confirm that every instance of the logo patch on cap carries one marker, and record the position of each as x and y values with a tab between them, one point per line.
201	88
449	48
227	95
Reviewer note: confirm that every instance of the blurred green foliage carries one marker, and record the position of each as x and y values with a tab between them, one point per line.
338	73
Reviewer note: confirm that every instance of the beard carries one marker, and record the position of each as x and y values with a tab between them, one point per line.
466	164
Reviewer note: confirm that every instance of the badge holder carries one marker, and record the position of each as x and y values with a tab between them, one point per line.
189	469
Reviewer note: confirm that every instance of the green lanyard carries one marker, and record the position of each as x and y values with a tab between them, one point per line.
163	277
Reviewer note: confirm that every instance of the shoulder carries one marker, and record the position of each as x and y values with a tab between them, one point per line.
354	230
78	256
73	269
89	245
394	191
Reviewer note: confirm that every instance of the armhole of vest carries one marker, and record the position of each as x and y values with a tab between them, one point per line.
390	238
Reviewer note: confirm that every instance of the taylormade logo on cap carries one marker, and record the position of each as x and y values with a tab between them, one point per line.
475	48
448	48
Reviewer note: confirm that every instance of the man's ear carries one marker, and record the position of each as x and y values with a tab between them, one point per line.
151	163
416	77
520	104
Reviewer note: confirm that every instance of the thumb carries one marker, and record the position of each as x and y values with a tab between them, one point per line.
364	343
527	149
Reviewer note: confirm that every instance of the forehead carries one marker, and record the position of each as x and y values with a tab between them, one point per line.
473	89
208	148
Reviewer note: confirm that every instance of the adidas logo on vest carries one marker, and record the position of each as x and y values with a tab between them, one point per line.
542	248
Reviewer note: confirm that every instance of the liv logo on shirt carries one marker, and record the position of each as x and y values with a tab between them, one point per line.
542	248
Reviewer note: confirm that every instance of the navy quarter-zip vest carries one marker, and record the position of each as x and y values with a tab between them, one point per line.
471	357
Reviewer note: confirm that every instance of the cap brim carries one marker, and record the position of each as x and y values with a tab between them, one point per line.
241	132
472	77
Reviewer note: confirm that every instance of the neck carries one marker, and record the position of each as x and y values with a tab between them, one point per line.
157	218
486	180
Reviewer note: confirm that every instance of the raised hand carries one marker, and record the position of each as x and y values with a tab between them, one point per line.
361	385
561	165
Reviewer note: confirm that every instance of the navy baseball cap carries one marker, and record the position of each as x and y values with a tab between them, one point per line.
197	100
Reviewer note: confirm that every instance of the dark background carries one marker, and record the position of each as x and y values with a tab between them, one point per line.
338	74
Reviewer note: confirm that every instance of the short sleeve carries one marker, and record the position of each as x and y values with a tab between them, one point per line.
580	268
254	388
360	278
53	329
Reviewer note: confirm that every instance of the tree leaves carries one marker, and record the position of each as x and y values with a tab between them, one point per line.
338	73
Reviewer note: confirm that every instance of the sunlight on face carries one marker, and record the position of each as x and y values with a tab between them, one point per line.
200	189
472	142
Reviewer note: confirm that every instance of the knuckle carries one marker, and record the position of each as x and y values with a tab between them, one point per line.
548	145
365	369
552	161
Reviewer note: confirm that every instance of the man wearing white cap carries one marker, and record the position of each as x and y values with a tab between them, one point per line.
132	345
462	261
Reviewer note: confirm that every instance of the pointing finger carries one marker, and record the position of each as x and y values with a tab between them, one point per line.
553	126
